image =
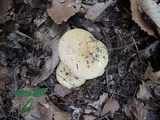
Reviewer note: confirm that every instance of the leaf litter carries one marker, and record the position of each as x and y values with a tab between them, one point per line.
29	35
57	10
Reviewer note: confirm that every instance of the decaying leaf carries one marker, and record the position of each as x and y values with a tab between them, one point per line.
111	106
98	104
137	110
50	39
154	76
5	5
152	9
144	92
139	19
62	10
46	108
157	91
146	53
77	113
90	110
97	9
61	90
39	21
60	115
36	3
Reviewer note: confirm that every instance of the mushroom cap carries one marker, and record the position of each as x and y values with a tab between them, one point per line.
86	56
66	78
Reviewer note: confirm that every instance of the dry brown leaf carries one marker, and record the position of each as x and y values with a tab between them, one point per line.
97	9
98	104
60	115
111	106
144	92
138	18
90	110
137	110
154	76
62	10
152	9
61	90
50	38
50	65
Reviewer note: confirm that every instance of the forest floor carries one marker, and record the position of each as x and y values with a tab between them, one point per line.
28	44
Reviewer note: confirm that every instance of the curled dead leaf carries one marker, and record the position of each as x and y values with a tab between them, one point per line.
98	104
61	90
111	106
139	19
137	110
152	9
61	11
154	76
50	39
97	9
60	115
144	93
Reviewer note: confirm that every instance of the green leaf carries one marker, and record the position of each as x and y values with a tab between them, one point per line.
40	92
27	106
22	93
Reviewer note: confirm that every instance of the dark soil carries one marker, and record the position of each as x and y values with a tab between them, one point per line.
124	73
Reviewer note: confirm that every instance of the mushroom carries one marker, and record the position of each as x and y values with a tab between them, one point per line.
84	55
66	78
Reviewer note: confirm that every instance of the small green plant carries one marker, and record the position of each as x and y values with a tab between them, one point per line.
24	93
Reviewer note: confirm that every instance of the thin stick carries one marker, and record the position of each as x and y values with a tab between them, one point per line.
38	111
108	84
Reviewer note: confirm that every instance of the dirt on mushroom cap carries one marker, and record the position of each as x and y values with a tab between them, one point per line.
66	78
86	56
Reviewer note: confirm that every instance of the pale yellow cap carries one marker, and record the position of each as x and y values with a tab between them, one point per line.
85	56
66	78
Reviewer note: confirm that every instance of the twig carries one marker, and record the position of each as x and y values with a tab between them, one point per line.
108	84
120	94
38	111
104	116
22	34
